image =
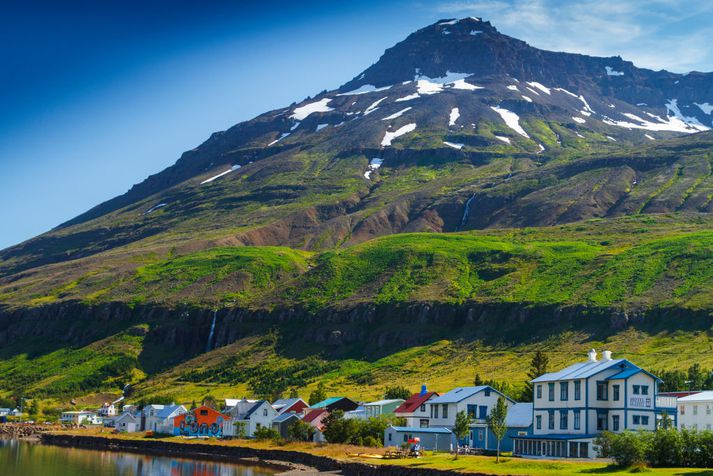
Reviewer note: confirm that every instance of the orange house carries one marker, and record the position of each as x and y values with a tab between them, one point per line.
203	421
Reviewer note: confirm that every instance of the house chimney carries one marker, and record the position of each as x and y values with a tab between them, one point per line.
592	355
424	391
606	355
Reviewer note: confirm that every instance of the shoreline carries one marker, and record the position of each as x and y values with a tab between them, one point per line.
290	461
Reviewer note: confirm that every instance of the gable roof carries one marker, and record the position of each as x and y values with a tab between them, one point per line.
327	402
124	416
284	404
255	408
461	393
312	415
231	402
414	402
582	370
285	417
168	410
380	403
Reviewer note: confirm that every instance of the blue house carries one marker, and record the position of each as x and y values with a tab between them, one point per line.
519	424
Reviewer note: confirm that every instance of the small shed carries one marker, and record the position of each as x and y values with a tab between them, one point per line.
282	423
440	439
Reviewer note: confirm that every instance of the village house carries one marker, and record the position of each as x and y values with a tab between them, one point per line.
126	422
286	405
316	418
695	411
415	410
160	418
518	423
80	418
441	439
336	403
476	402
382	407
107	410
575	404
281	423
201	421
358	414
251	415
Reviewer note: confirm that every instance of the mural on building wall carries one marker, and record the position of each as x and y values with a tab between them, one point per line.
203	421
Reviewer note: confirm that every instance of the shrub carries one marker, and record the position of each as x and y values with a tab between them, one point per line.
629	449
266	433
666	449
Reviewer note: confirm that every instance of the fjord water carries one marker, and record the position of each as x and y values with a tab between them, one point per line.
28	459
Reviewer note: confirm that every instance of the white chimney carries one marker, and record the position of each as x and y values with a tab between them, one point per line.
592	355
606	355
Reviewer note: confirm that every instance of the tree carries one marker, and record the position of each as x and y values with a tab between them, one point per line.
193	405
294	394
696	377
240	429
497	421
210	402
396	392
477	381
300	431
460	429
337	429
538	366
318	394
33	408
266	433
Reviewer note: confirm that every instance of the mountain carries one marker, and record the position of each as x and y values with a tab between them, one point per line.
463	185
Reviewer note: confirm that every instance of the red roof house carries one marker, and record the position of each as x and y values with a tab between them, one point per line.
415	410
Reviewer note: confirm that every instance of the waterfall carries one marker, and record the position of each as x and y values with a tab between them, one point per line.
209	345
466	212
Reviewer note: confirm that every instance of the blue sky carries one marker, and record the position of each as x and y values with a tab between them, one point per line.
95	96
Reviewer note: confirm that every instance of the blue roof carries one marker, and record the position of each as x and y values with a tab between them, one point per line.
414	429
583	370
285	417
326	403
461	393
167	410
626	373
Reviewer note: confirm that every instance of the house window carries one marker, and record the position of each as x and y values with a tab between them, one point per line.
602	423
204	412
483	412
577	390
563	419
434	411
481	435
539	391
389	436
644	390
682	409
423	422
405	438
551	420
708	409
615	422
637	389
645	420
551	389
538	422
564	391
637	419
487	392
602	391
445	411
695	409
577	419
423	408
615	392
264	412
471	411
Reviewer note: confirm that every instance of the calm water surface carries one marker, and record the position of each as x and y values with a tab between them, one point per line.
27	459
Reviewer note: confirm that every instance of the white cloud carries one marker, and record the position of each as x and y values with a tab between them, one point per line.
656	34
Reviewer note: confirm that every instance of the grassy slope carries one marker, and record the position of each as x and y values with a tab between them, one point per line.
639	262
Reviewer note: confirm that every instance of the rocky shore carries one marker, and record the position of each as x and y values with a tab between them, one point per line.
22	431
292	462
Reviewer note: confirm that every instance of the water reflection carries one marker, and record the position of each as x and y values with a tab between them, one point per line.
26	459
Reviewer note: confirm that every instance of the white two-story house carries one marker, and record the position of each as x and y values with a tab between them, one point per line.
477	402
575	404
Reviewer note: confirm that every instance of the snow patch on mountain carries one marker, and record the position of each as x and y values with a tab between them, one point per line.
461	84
410	97
397	114
504	139
373	165
364	89
302	112
455	145
612	72
428	85
154	208
321	126
231	169
284	134
374	106
526	98
511	119
512	87
705	107
453	117
390	136
539	86
578	120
